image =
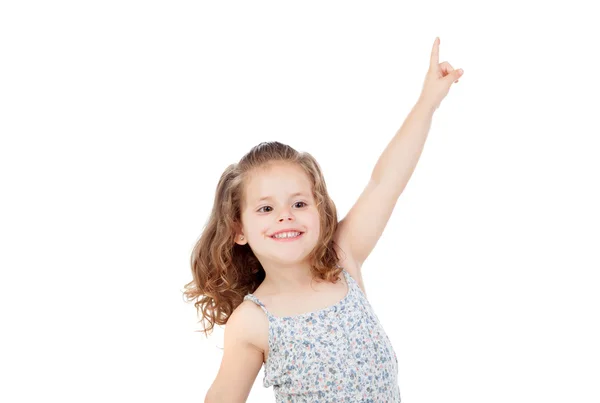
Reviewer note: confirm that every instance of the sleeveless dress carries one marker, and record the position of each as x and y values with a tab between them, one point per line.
337	354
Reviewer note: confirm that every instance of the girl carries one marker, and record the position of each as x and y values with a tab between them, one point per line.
274	264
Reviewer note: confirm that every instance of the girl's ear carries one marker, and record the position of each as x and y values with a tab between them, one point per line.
240	238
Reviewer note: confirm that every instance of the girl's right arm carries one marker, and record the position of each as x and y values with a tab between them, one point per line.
241	361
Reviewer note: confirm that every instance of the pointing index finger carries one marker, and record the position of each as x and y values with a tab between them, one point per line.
435	52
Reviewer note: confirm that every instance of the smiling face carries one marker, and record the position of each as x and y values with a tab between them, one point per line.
278	198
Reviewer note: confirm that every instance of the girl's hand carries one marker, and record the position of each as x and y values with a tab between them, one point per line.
439	78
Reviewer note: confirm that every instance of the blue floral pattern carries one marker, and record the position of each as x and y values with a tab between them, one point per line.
337	354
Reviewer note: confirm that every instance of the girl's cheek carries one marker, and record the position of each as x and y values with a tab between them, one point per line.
264	230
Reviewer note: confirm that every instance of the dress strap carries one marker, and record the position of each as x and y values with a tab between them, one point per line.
252	298
349	281
346	274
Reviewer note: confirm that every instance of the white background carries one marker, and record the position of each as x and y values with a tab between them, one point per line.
118	117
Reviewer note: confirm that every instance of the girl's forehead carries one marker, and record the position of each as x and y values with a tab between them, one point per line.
280	180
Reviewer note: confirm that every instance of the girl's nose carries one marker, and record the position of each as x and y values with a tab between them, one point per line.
287	216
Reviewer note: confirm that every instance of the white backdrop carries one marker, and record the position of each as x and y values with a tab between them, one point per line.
118	117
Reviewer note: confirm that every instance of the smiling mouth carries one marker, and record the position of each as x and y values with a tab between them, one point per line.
290	238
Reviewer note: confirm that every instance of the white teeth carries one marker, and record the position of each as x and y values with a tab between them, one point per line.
287	235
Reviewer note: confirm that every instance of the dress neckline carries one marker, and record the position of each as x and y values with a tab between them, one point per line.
312	313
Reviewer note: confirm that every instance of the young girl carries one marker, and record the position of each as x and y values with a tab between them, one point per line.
277	268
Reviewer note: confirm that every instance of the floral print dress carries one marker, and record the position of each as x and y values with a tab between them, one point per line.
337	354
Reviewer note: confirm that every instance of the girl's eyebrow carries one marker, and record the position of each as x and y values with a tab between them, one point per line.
271	197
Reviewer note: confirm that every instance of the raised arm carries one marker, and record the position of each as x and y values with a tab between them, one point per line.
362	227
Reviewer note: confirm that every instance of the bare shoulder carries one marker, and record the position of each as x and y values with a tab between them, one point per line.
349	263
252	318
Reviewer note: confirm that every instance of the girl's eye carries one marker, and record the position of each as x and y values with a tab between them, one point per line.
260	210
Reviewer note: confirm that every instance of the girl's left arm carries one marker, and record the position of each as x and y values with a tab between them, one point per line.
359	231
